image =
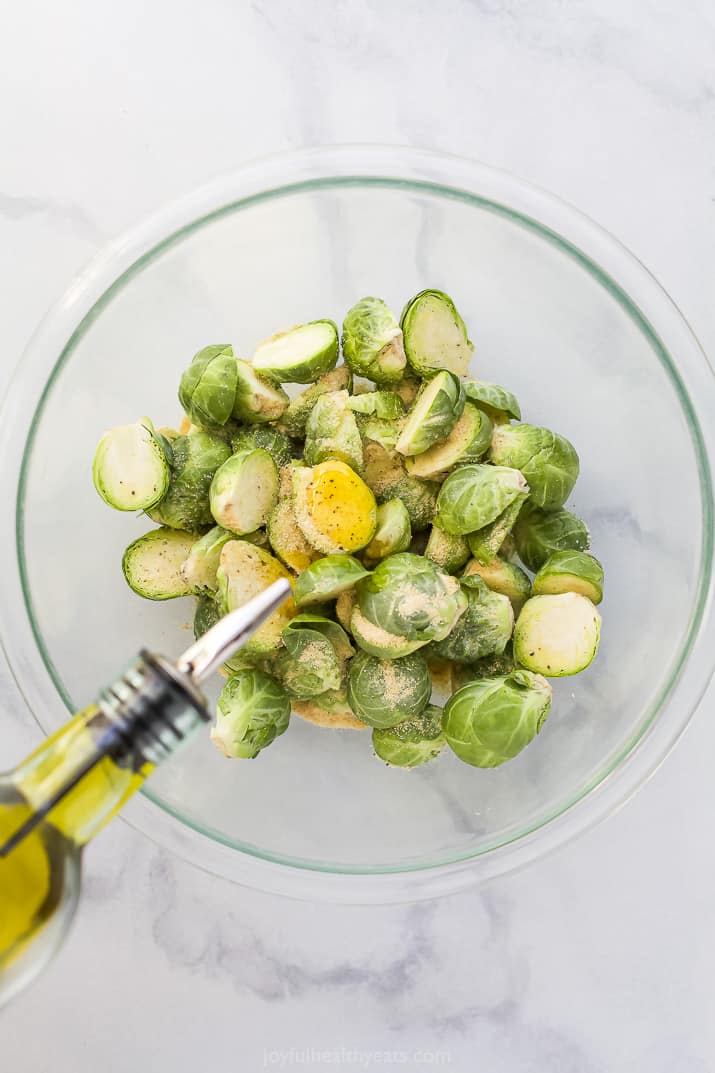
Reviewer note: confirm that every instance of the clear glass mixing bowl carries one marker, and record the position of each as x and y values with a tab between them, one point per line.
560	313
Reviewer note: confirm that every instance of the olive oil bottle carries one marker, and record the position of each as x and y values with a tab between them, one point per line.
61	795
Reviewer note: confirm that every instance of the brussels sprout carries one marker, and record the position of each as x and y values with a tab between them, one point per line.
131	468
299	355
434	414
245	570
468	442
538	534
446	551
274	441
152	563
473	496
311	665
385	474
207	391
206	615
309	620
435	336
491	720
258	399
344	607
329	709
335	509
244	491
489	667
332	432
383	405
379	429
548	461
393	532
295	417
372	341
287	538
409	597
504	577
484	630
200	566
327	578
407	389
378	642
412	742
253	710
498	403
557	635
486	542
571	571
384	692
195	459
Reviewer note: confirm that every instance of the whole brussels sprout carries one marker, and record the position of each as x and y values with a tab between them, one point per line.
195	459
548	461
131	468
473	496
207	391
386	475
331	432
489	667
413	742
490	720
434	414
538	534
484	630
253	710
486	543
199	568
313	661
498	403
384	692
206	615
409	597
372	341
557	635
295	417
571	571
393	532
244	491
435	335
468	442
270	439
299	355
504	577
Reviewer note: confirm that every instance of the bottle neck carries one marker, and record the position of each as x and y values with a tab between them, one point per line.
79	778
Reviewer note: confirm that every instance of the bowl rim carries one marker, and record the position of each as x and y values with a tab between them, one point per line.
450	176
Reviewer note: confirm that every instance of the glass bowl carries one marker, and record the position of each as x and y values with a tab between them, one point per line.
560	313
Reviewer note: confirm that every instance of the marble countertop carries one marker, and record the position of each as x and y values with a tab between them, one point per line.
596	959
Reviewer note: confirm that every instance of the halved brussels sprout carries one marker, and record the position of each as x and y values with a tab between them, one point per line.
548	461
434	414
446	551
152	563
252	711
485	543
329	709
571	571
327	578
274	441
484	630
409	597
384	692
490	720
206	615
538	534
393	532
372	341
244	491
378	642
473	496
386	475
199	568
344	607
299	355
383	405
258	399
498	403
504	577
287	538
295	417
489	667
335	509
413	742
468	442
557	635
332	432
245	570
207	390
131	468
195	459
435	336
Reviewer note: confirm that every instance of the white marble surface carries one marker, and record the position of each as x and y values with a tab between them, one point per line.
597	959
